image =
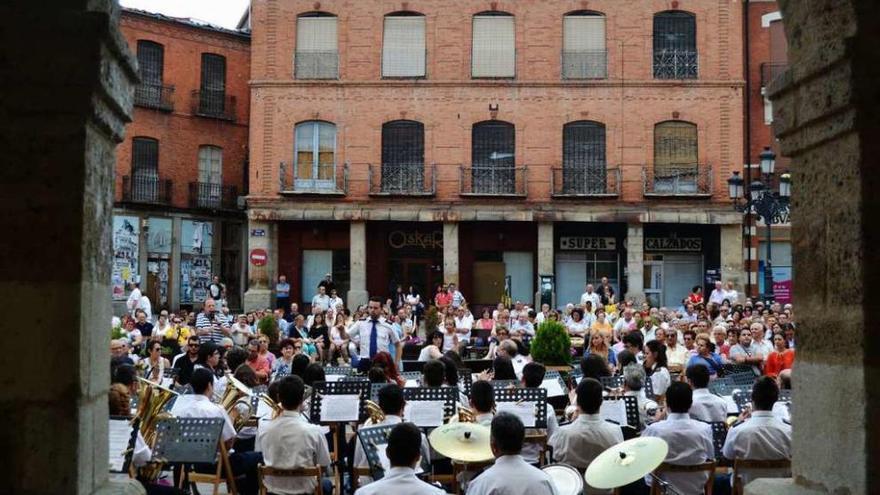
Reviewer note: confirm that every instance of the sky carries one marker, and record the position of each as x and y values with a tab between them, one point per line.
223	13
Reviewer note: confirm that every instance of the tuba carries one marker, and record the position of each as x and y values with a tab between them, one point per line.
152	400
466	415
276	407
375	412
236	401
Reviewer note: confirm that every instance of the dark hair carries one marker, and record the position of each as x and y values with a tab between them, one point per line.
508	433
503	368
436	334
579	311
691	332
698	375
313	373
633	339
533	374
660	350
193	338
245	374
455	357
205	351
696	288
450	371
378	299
272	391
391	399
532	313
200	380
377	375
404	445
679	397
432	373
235	357
589	395
483	396
383	360
624	358
290	391
594	366
765	393
124	374
299	364
286	342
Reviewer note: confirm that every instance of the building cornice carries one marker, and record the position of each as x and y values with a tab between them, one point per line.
425	83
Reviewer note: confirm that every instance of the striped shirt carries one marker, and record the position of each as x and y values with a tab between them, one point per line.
203	321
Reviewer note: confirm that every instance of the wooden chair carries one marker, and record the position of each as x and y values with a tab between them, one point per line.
461	467
217	477
709	467
740	464
315	471
539	439
356	473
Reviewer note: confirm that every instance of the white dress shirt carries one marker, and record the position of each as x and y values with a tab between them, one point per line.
531	452
761	437
519	362
360	457
360	335
582	440
466	321
202	407
707	406
290	442
718	296
594	298
690	443
677	355
400	481
511	475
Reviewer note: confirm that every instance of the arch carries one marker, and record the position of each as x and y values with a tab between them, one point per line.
583	12
314	154
675	45
404	13
497	13
316	13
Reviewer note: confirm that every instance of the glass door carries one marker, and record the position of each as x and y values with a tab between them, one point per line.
653	281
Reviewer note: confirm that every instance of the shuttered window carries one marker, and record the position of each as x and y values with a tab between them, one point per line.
583	47
675	157
675	45
493	46
317	55
403	46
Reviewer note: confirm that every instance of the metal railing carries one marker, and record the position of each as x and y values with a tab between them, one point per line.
146	189
154	96
213	104
693	181
402	180
493	181
584	182
585	64
316	65
770	71
675	64
212	196
325	179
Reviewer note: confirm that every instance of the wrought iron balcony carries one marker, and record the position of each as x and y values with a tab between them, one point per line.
212	196
213	104
493	181
675	64
688	181
316	65
154	96
585	64
770	71
402	180
324	179
584	182
146	189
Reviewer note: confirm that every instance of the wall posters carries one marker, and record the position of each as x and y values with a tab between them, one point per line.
196	243
124	271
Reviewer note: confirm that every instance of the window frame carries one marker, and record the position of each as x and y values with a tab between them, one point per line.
588	176
489	14
403	175
314	182
298	54
382	62
604	50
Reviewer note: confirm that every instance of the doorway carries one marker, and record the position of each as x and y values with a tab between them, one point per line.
424	274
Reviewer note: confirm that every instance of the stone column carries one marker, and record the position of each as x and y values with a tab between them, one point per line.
357	239
450	253
67	98
261	279
635	262
732	264
546	259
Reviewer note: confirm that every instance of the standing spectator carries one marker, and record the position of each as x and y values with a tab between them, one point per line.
759	341
593	297
398	299
730	293
185	362
146	306
606	287
211	326
335	300
717	296
321	301
292	313
719	336
327	284
706	355
282	293
442	298
134	298
241	331
216	289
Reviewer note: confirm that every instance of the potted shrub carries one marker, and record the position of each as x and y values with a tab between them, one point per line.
432	321
269	327
551	345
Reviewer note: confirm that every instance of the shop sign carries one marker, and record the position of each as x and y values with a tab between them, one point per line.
259	257
588	243
673	244
399	239
258	233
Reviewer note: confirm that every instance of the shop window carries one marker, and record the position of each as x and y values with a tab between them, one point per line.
583	46
317	55
403	45
493	45
493	154
583	158
574	270
675	45
403	156
675	157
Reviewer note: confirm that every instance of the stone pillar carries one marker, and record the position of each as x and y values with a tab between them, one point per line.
357	239
635	262
174	279
732	264
261	279
67	98
546	259
450	253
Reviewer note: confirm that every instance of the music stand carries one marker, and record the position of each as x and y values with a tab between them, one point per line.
187	441
370	438
785	395
719	435
536	395
743	399
612	381
504	384
412	366
465	380
337	371
631	406
448	395
648	387
742	380
353	378
721	386
575	376
118	423
411	375
360	388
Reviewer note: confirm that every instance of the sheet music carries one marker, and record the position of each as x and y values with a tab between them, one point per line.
167	382
615	410
120	437
732	408
340	408
411	384
182	403
551	385
525	411
424	413
333	378
386	464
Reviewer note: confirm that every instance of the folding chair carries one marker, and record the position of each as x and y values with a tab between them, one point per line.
740	464
674	468
263	471
217	477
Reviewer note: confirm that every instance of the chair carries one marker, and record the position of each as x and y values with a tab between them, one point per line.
217	476
461	467
674	468
539	439
263	471
740	464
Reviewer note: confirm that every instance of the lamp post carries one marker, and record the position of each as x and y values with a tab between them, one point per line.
771	206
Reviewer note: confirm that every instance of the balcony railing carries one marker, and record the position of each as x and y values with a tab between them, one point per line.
689	181
493	181
213	104
154	96
212	196
402	180
324	179
585	64
770	71
584	182
675	64
316	65
146	189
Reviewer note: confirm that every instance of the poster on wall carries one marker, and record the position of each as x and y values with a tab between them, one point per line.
158	274
159	236
195	277
196	237
782	286
124	271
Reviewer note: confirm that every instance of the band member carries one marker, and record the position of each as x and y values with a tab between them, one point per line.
532	377
405	442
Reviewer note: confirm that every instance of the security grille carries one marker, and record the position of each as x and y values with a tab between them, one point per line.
583	158
675	45
493	155
403	156
150	56
144	170
212	97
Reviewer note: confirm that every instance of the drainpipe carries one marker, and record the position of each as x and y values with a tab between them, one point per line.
748	137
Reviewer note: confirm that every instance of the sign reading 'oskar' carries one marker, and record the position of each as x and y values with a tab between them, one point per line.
588	243
673	244
399	239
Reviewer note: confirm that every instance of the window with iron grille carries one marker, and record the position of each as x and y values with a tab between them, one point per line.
493	155
212	98
583	46
675	157
150	56
144	169
403	156
403	45
317	55
493	50
583	158
210	176
675	45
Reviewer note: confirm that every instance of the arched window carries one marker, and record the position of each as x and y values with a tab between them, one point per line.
583	46
493	45
144	186
315	155
317	55
675	45
403	45
209	187
493	155
583	158
676	169
403	156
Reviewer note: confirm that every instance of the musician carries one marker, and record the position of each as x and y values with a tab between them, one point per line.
433	374
532	377
511	474
202	382
374	333
633	386
482	401
509	348
707	406
405	443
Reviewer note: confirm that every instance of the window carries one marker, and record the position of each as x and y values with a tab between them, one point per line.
493	155
144	169
210	177
493	46
675	45
212	97
315	155
403	46
403	156
150	56
583	46
317	55
675	157
583	158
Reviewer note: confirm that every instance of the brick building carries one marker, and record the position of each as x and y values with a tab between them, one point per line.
180	173
495	143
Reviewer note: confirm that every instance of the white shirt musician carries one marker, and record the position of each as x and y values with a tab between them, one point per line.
370	341
202	382
707	406
403	452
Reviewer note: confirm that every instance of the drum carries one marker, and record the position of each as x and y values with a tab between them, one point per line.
567	479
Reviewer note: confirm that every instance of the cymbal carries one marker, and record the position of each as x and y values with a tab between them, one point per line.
465	442
626	462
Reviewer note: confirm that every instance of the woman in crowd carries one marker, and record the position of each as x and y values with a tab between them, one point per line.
719	336
264	348
599	347
155	365
609	303
442	298
501	334
162	325
450	336
602	326
576	326
502	369
706	355
398	299
696	295
338	340
432	347
282	365
485	322
383	360
782	358
655	366
594	366
320	335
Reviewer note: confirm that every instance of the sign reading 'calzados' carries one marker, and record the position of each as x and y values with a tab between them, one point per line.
588	243
673	244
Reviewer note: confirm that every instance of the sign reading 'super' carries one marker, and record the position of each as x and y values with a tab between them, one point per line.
588	243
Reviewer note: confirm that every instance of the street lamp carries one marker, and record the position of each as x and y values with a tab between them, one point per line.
767	204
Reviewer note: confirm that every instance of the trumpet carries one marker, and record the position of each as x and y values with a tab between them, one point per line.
153	398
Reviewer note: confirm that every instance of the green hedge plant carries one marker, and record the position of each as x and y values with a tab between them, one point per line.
551	345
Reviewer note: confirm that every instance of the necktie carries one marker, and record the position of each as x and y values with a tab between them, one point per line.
374	340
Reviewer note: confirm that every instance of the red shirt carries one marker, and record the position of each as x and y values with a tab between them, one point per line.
778	361
261	364
443	299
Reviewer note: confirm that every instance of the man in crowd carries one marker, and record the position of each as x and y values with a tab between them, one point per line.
624	325
745	353
464	323
717	296
211	326
282	292
706	406
405	443
374	333
457	297
676	354
134	299
258	363
522	327
185	362
144	326
542	315
321	301
592	297
216	289
327	283
759	339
